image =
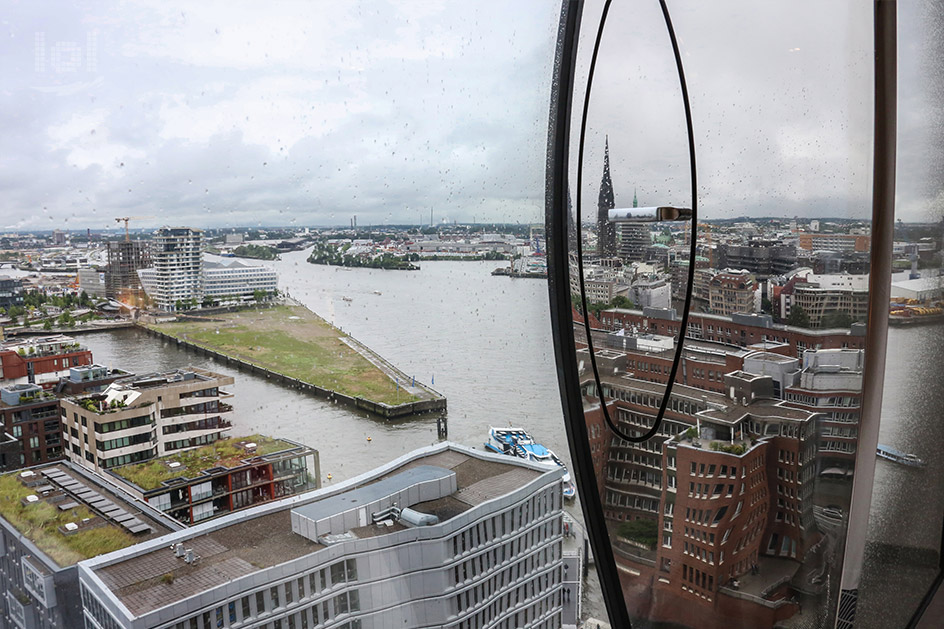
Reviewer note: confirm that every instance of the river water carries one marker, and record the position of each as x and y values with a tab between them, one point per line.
484	342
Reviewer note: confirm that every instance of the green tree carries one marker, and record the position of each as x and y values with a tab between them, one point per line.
798	317
47	324
836	319
621	302
642	531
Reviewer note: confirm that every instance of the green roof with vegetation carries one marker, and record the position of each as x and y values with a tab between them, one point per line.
40	521
293	341
223	453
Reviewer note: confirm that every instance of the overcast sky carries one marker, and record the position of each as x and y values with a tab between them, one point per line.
308	113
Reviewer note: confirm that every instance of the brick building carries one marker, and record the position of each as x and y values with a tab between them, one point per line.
830	384
734	330
41	360
728	481
32	433
732	291
228	475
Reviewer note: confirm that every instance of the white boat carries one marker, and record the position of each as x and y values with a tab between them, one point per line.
905	458
518	442
346	298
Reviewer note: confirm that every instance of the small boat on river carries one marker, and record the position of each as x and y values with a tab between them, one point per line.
518	442
905	458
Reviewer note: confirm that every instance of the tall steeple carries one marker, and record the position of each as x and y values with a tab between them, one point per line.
635	202
606	230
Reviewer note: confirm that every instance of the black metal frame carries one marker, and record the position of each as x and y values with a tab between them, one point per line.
683	327
556	191
556	195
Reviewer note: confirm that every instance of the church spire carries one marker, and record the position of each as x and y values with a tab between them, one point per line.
606	230
635	202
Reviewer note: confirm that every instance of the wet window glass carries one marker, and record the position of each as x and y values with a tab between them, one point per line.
735	341
266	251
299	280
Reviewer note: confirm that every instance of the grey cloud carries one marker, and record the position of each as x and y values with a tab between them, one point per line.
428	106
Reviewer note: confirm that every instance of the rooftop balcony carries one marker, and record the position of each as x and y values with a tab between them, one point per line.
736	447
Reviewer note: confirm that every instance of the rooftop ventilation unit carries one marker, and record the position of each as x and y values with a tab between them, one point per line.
391	513
191	557
32	498
178	550
71	526
417	518
173	465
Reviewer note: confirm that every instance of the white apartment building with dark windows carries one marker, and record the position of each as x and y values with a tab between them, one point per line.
234	279
177	257
445	537
136	419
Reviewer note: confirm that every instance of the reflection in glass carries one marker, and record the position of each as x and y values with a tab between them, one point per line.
735	513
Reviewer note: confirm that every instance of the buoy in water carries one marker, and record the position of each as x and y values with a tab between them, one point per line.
329	476
368	438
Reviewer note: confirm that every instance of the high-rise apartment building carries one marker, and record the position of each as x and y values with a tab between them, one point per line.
178	267
634	241
125	257
139	418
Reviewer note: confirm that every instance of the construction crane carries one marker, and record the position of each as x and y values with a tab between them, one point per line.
129	218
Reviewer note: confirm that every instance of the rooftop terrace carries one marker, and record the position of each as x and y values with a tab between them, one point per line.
42	510
229	453
762	409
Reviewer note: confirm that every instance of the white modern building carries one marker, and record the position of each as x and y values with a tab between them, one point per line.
181	277
136	419
444	537
235	279
177	256
651	292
